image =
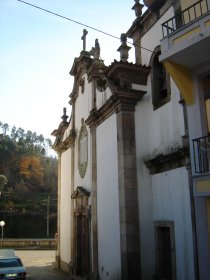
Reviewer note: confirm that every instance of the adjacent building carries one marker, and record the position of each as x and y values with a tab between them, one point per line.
134	180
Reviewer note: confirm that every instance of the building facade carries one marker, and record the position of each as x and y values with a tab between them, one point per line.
185	52
133	157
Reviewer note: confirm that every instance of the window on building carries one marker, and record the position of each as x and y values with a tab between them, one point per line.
206	90
160	80
82	84
165	250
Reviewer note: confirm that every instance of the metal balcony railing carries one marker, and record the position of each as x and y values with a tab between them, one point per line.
185	17
201	151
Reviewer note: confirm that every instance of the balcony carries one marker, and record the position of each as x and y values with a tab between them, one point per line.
186	36
201	152
187	16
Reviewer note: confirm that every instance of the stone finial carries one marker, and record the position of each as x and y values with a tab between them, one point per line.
83	38
95	51
123	38
123	49
138	8
64	117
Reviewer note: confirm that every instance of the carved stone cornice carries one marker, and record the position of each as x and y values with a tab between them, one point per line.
164	162
135	27
80	63
74	94
80	192
120	76
142	24
121	100
58	133
123	74
79	68
96	70
62	146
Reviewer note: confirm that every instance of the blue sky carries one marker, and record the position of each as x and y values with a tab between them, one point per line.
37	51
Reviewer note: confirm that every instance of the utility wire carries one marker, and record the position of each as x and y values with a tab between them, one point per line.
80	23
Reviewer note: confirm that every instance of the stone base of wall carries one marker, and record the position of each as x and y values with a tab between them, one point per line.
64	266
28	244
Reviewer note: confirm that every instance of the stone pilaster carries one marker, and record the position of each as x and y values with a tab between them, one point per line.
128	195
91	121
94	205
120	77
72	188
57	253
72	218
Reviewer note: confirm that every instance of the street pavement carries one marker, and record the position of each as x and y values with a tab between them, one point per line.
39	265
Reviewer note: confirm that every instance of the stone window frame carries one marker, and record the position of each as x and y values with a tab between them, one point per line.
170	226
82	167
82	84
157	99
101	84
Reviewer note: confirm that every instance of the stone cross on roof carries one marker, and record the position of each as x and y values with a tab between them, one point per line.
83	38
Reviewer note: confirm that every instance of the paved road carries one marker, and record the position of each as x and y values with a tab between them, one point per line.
39	265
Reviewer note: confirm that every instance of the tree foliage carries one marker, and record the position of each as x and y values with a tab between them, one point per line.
31	170
24	160
28	177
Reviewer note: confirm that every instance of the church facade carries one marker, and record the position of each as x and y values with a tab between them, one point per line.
133	185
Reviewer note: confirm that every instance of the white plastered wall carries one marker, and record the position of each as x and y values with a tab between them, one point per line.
83	102
65	207
108	200
102	97
171	202
152	38
82	110
159	132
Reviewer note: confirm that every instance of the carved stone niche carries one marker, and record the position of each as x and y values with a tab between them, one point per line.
80	195
83	149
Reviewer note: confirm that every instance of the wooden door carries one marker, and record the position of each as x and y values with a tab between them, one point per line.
82	245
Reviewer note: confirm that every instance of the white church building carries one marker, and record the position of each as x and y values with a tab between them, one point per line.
127	202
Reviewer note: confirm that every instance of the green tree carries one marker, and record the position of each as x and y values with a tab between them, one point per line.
5	128
14	134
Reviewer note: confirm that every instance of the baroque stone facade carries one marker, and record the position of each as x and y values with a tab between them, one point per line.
126	207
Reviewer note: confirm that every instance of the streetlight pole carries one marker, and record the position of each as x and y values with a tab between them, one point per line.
48	205
2	223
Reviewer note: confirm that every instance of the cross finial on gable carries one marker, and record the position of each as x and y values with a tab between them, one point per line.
84	39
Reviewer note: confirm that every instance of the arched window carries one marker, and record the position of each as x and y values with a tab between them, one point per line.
160	80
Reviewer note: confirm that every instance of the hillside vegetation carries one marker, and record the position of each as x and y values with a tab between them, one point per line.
28	184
